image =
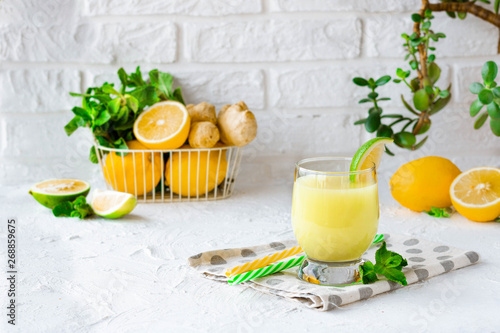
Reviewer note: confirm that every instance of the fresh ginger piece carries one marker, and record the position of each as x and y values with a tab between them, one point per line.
237	124
203	134
202	112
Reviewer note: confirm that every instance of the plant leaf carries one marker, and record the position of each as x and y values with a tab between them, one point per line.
383	80
439	212
434	72
495	126
361	121
103	117
416	17
481	120
421	100
404	139
384	131
408	107
489	72
360	81
63	209
496	92
177	95
373	122
475	107
476	87
73	125
93	155
420	144
493	110
485	96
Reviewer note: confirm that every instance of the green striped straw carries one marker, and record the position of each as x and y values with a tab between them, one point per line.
278	267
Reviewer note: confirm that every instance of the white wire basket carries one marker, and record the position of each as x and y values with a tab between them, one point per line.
171	175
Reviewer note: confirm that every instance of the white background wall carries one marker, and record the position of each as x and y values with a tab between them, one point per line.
291	61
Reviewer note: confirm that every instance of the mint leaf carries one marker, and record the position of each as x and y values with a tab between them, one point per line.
93	155
177	95
388	264
78	208
395	275
439	212
367	273
63	209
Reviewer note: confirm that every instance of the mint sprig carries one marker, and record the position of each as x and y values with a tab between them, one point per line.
110	112
78	208
387	263
439	212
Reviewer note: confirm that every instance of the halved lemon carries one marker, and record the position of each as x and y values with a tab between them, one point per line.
54	191
475	194
165	125
113	204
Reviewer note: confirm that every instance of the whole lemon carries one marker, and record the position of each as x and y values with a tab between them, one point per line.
424	183
133	174
192	173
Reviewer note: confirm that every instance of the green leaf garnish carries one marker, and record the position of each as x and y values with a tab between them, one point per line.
110	113
439	212
78	208
388	264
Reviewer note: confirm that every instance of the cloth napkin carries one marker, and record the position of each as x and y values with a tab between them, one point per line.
425	260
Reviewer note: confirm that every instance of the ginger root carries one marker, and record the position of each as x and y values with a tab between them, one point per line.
203	134
202	112
237	124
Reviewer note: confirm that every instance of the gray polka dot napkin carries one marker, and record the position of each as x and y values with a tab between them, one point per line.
425	260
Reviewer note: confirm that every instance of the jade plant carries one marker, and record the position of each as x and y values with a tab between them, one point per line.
422	76
488	94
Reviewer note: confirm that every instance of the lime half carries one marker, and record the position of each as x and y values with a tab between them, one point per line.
369	153
54	191
113	204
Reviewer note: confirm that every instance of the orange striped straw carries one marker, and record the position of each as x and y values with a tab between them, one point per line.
263	262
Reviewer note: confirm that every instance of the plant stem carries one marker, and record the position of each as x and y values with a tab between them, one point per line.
466	7
374	100
422	118
409	123
421	48
398	121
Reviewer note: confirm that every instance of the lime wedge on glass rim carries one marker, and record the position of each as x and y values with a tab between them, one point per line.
368	154
113	204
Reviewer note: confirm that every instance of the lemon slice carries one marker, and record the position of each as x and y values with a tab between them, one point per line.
475	194
54	191
113	204
369	153
164	125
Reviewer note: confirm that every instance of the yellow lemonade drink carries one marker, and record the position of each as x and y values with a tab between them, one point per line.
335	218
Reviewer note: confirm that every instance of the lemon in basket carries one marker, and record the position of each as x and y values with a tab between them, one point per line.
195	172
134	173
165	125
52	192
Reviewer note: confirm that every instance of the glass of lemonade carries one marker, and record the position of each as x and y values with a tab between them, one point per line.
335	218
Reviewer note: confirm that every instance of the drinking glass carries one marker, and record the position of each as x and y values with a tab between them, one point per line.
335	218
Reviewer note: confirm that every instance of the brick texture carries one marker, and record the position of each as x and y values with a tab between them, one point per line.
38	90
291	61
274	40
185	7
341	5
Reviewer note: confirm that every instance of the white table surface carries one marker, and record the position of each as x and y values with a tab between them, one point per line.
131	275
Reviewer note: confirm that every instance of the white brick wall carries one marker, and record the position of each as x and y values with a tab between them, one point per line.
292	61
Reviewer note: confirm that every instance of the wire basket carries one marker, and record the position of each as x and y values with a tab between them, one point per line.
171	175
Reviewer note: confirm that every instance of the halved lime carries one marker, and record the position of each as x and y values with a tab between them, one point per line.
54	191
113	204
369	153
